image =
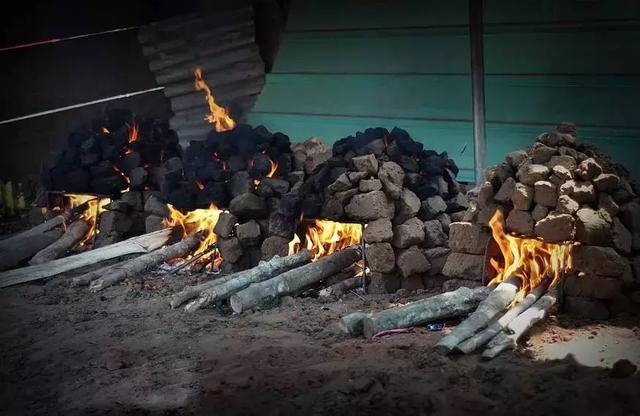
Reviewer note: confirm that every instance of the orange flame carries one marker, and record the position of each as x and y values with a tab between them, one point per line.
325	237
134	131
95	207
125	177
218	116
105	130
530	260
196	221
274	168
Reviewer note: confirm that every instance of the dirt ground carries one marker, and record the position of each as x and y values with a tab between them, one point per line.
124	351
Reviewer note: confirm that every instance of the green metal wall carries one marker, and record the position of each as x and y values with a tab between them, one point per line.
346	66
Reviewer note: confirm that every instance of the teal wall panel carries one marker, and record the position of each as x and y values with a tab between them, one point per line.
400	96
375	52
346	66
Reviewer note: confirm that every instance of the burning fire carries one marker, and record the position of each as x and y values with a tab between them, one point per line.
196	221
324	237
218	116
134	131
274	169
530	260
95	207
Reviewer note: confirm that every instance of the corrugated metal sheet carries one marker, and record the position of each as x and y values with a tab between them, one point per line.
223	45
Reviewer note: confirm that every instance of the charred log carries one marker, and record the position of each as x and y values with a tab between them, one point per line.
262	272
121	271
293	281
71	237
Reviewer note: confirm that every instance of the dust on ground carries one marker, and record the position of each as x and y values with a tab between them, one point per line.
124	351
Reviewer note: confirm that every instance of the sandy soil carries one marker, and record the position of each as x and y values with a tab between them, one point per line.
123	351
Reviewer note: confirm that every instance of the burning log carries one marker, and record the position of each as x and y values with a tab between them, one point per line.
293	281
140	244
445	305
71	237
23	248
509	338
484	336
495	303
121	271
260	273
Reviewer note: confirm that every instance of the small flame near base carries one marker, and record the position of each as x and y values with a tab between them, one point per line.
324	237
197	221
95	206
528	259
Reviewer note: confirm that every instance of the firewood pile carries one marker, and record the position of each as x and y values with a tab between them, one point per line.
405	195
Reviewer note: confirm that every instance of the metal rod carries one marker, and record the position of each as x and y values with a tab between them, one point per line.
86	104
56	40
477	86
364	262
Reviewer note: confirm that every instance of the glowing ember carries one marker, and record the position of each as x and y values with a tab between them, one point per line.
324	237
529	259
95	206
196	221
218	116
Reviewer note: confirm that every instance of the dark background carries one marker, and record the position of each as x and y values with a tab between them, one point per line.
43	77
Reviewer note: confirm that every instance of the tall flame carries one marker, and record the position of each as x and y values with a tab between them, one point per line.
528	259
218	116
325	237
95	207
196	221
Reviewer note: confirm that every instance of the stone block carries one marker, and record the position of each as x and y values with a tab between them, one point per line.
464	266
378	231
465	237
409	233
556	228
586	308
370	206
392	177
380	257
412	262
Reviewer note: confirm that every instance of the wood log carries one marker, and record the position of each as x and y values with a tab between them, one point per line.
508	339
443	306
129	268
263	271
293	281
139	244
34	231
339	288
476	341
352	323
24	248
488	309
71	237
